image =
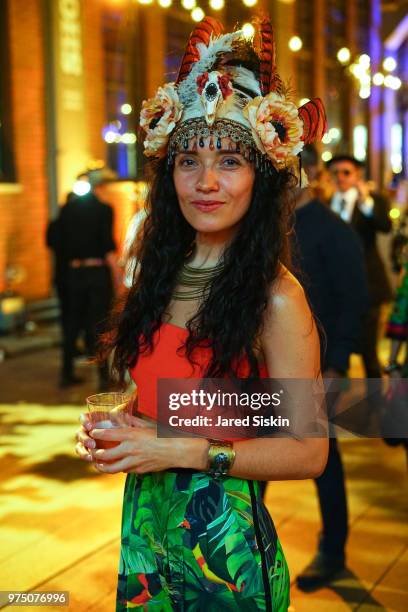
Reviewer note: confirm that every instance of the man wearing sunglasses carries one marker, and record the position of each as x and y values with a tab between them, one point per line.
367	212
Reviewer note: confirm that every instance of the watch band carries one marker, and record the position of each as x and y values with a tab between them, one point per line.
221	457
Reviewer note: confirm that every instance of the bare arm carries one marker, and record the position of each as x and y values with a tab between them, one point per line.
291	348
290	344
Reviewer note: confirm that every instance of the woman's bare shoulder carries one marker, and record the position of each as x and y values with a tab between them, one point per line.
286	296
289	338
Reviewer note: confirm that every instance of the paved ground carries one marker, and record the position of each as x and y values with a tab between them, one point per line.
60	520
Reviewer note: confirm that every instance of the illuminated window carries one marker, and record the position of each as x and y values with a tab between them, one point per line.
7	169
119	130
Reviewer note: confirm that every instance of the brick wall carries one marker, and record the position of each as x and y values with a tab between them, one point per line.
24	215
94	71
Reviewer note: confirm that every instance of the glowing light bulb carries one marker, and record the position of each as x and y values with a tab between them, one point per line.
126	109
326	156
395	213
249	2
128	138
197	14
364	60
110	136
343	55
165	3
145	1
81	187
378	78
188	4
364	92
248	30
396	83
327	139
295	43
392	81
334	133
217	5
389	64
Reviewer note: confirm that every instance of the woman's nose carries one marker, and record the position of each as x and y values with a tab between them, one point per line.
208	180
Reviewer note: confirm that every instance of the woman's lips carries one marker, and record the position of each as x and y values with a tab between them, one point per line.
207	205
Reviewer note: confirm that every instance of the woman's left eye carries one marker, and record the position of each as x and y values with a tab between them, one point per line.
230	162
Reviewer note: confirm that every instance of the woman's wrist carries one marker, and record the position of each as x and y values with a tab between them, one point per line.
192	453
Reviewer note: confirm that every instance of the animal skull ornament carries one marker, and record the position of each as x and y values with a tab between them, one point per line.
211	94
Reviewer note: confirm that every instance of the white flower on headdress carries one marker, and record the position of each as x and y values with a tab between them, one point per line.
158	118
277	125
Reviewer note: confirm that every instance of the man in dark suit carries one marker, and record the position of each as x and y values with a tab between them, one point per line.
329	263
367	212
85	236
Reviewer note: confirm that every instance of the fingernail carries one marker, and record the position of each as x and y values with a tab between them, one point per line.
90	443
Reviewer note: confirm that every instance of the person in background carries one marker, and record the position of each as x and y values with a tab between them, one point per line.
85	236
368	213
60	275
397	327
331	268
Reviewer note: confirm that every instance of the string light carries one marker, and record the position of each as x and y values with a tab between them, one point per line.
326	139
389	64
326	156
248	30
126	109
295	43
145	1
165	3
334	133
217	5
128	138
188	4
364	60
378	78
343	55
395	213
197	14
364	92
249	2
392	82
81	187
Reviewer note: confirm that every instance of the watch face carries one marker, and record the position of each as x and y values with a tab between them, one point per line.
221	458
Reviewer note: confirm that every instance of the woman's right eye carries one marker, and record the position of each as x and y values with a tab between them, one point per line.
186	162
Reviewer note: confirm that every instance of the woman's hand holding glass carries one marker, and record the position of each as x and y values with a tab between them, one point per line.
137	448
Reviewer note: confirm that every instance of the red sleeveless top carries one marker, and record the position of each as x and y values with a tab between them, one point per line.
166	362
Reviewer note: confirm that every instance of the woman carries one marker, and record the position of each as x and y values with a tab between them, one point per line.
212	298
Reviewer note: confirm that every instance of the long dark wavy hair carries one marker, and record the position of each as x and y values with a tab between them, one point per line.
229	320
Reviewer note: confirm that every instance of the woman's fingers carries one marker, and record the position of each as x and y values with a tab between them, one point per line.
116	434
82	452
82	436
123	465
85	421
110	454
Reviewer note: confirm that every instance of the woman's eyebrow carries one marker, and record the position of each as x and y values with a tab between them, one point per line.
218	151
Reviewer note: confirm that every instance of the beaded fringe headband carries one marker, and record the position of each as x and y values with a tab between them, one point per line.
228	87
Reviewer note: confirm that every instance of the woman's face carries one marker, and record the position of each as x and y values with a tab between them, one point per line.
214	187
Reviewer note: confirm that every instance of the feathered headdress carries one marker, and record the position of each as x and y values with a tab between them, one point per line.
228	86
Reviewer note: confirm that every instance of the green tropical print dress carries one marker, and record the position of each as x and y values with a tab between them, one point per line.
192	542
